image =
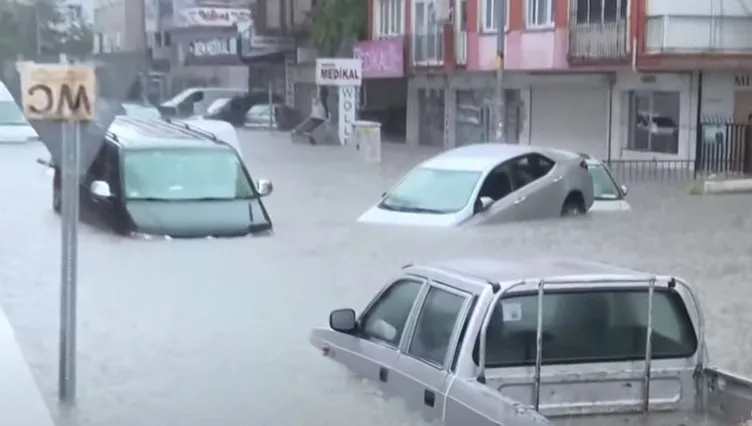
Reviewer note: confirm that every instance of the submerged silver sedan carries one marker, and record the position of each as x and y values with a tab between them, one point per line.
487	183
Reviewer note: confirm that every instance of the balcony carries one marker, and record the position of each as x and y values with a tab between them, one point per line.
460	47
428	48
698	34
601	41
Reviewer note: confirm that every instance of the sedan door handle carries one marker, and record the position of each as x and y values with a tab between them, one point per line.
519	200
429	398
383	374
558	179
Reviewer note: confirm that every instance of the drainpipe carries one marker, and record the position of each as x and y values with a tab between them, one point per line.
698	123
609	130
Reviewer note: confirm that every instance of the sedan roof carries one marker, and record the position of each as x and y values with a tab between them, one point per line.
476	157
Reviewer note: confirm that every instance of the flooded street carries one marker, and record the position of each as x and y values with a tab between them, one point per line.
214	332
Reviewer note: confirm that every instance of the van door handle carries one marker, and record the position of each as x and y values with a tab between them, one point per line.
519	200
383	374
429	398
558	179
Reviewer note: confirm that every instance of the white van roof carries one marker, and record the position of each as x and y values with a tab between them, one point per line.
5	93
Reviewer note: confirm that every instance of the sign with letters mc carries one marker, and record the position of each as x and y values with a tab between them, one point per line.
58	92
338	72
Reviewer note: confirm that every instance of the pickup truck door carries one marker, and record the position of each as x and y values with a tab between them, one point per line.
371	351
422	369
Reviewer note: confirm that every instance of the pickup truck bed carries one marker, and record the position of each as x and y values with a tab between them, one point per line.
652	419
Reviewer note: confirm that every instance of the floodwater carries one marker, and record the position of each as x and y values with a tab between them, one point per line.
214	332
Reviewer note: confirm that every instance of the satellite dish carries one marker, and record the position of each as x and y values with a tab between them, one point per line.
444	11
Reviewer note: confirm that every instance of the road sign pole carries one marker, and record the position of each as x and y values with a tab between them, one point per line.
69	262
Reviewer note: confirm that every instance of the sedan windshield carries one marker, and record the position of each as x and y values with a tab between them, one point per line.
604	186
10	113
427	190
185	175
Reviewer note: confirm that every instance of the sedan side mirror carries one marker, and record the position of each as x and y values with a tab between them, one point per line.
624	190
264	187
343	320
485	203
101	189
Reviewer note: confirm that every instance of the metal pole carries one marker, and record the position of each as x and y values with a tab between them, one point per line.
538	348
499	131
38	33
648	348
271	104
70	196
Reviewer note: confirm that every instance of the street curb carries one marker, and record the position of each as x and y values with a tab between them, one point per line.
719	187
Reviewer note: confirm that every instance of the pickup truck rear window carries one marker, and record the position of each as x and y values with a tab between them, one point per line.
592	326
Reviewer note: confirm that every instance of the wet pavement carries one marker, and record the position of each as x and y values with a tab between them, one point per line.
214	332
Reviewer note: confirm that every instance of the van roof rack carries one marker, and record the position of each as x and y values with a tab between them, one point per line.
193	129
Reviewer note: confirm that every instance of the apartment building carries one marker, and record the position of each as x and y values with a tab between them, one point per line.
118	25
76	11
589	75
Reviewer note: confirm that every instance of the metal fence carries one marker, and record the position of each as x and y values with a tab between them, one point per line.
723	150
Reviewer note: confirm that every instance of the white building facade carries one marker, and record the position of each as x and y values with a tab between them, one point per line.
619	79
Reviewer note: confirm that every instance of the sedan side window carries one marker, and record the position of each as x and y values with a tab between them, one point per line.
386	318
529	168
435	326
498	184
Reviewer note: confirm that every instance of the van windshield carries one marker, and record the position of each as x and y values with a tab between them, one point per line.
11	114
585	327
185	174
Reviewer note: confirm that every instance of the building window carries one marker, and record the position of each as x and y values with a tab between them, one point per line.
540	13
600	11
654	122
75	13
428	40
389	18
491	13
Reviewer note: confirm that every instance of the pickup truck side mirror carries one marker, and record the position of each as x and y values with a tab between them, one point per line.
624	190
343	320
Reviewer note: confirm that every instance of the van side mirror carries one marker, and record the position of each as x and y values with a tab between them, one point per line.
343	320
100	189
264	187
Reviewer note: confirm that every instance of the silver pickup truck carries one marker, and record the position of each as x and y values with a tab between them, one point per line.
480	342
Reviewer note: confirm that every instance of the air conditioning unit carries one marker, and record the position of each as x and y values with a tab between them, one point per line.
444	11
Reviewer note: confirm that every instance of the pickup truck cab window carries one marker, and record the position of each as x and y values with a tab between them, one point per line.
435	326
386	319
586	327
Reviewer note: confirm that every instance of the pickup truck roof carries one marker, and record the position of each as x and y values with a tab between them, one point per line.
503	274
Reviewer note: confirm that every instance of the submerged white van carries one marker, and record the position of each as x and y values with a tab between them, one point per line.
14	128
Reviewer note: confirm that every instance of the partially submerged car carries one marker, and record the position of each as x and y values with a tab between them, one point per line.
487	183
195	101
482	342
161	178
608	196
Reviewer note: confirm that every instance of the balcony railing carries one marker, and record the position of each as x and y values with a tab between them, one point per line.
599	41
460	47
698	34
428	48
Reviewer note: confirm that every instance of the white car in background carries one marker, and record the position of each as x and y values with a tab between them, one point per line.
14	127
656	124
608	196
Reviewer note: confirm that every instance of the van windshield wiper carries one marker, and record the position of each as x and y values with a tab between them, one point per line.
151	199
199	199
246	197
